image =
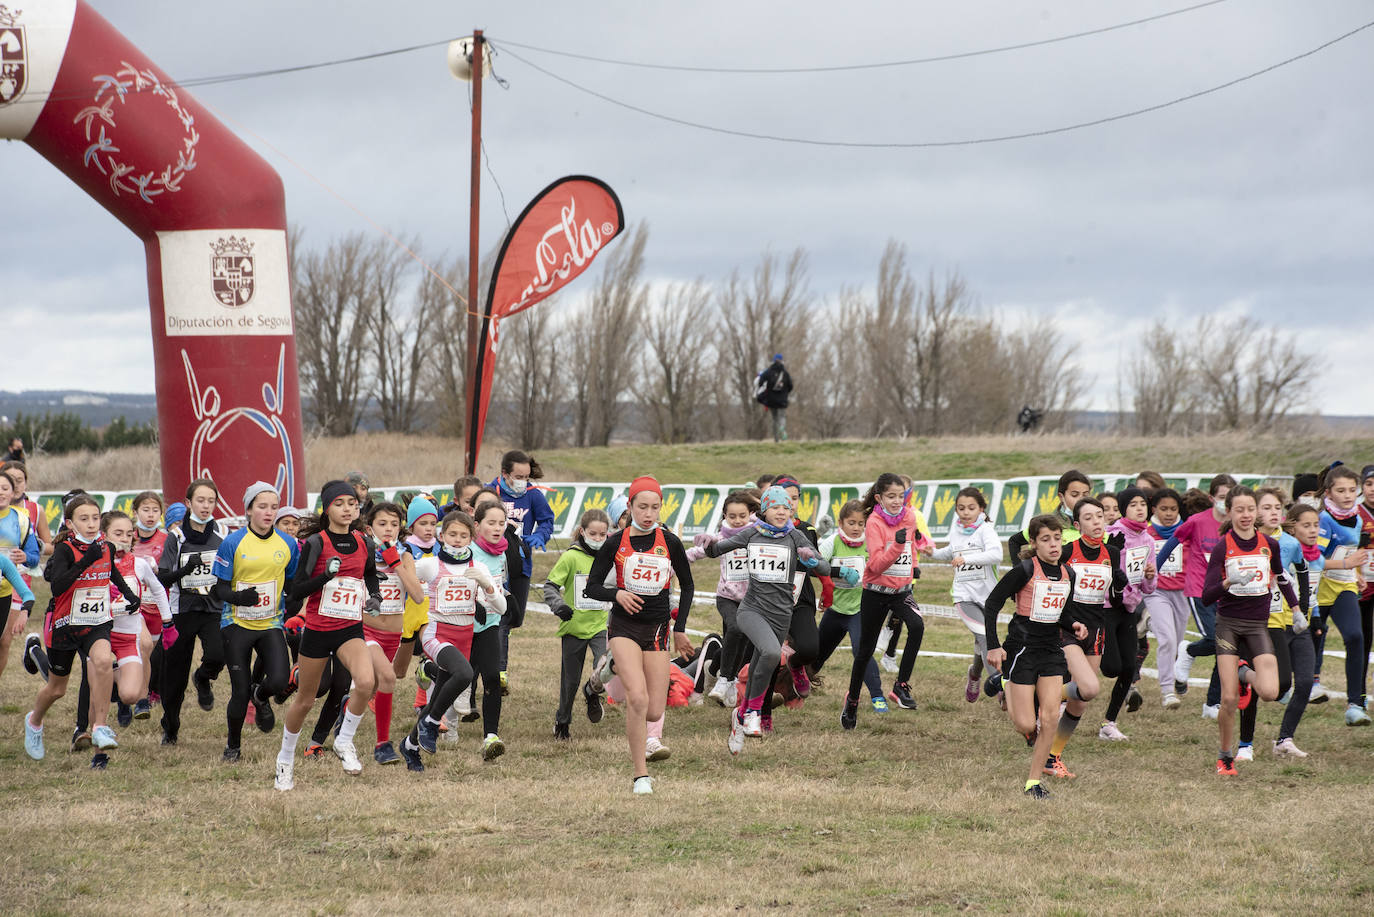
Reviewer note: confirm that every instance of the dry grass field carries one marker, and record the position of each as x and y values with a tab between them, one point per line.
913	812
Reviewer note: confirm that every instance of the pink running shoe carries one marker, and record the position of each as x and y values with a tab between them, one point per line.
800	680
971	689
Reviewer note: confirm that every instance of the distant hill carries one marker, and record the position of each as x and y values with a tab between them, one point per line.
97	409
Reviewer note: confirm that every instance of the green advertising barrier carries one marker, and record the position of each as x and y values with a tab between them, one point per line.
702	511
560	498
836	498
674	498
941	509
596	497
1010	506
809	504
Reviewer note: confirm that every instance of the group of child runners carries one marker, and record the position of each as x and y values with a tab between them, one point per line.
337	607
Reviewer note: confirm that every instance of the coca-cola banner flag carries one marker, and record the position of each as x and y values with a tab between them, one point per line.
553	240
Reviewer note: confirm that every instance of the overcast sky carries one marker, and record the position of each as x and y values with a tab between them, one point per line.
1256	202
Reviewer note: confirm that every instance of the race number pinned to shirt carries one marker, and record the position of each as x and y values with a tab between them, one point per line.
970	573
265	607
342	598
1047	600
90	606
734	567
901	567
455	598
1091	582
647	574
769	563
202	575
855	563
581	601
1173	564
1248	574
1135	560
1339	576
393	595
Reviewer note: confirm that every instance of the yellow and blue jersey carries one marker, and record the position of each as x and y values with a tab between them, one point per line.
17	532
247	560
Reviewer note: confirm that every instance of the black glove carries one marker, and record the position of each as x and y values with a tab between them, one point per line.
244	597
1316	627
187	567
901	535
373	606
916	573
332	567
564	613
28	607
479	615
1117	540
94	552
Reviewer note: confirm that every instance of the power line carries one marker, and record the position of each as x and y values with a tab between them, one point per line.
895	63
927	144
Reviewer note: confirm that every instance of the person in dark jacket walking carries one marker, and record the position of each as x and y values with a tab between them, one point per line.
771	389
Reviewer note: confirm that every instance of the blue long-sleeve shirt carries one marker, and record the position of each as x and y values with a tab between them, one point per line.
532	517
15	578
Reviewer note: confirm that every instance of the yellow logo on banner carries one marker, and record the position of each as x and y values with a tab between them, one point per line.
1012	501
943	504
701	506
53	512
598	501
917	499
806	508
671	502
125	505
559	503
1049	502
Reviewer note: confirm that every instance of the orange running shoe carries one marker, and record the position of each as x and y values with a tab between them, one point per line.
1226	767
1246	694
421	698
315	752
1054	766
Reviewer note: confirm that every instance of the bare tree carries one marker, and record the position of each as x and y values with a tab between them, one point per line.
754	320
679	335
1036	376
402	344
529	376
942	307
1255	379
1161	382
445	324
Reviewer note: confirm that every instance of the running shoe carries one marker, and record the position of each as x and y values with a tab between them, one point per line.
732	695
766	723
231	755
168	738
801	682
1355	715
901	696
505	685
736	740
644	786
1054	766
81	739
1182	669
104	737
603	672
1318	695
849	713
31	643
385	753
971	688
444	725
1133	700
492	747
753	727
154	698
291	685
427	735
719	690
1246	694
1210	711
33	739
1245	753
595	710
1226	767
250	716
348	757
993	685
1110	733
560	731
1284	748
654	750
143	709
1037	791
422	676
880	705
314	752
100	761
124	714
888	663
411	755
266	717
286	776
1287	696
205	694
1171	702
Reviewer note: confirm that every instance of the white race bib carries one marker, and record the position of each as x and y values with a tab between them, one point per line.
393	595
734	567
202	575
768	563
1173	564
581	601
1091	582
1253	565
120	605
266	606
1135	560
855	563
342	598
647	574
1047	600
90	605
970	573
901	567
455	600
1339	576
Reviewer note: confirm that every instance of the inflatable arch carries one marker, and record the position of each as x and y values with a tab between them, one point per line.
212	217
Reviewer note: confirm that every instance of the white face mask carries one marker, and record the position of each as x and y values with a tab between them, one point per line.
649	528
517	487
594	543
1221	506
145	528
122	546
1311	501
81	538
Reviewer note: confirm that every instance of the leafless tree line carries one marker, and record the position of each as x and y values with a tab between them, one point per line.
382	341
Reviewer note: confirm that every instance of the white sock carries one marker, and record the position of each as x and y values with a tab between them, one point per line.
288	746
350	726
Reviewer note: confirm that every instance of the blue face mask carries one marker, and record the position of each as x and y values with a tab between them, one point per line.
199	521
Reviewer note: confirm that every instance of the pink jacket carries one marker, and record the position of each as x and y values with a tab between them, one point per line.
732	591
884	551
1143	544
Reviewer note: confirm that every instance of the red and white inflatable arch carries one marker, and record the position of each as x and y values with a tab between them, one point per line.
212	217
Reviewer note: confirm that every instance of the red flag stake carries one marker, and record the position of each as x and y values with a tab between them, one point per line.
474	205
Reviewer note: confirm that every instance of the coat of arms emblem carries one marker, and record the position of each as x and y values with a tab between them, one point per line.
231	271
14	64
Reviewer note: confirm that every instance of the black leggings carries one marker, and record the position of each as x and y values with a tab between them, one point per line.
874	609
486	661
334	684
1367	623
176	662
1118	656
274	660
453	678
915	633
804	636
1296	657
735	646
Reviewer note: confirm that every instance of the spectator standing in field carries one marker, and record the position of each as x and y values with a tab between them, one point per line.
16	450
773	386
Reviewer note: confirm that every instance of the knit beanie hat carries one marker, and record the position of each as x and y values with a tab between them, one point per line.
418	509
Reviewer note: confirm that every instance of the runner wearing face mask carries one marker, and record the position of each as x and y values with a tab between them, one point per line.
529	512
582	619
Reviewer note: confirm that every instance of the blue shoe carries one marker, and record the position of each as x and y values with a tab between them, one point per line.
143	709
386	754
412	757
426	735
104	737
879	705
124	715
33	739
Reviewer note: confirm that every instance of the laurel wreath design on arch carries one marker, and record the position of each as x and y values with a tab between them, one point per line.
126	178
